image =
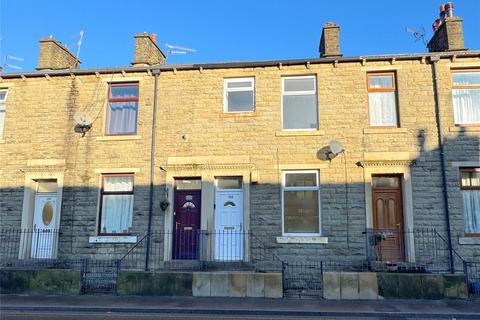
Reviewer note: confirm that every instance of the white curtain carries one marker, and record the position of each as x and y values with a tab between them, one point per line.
117	210
466	106
383	110
471	207
123	117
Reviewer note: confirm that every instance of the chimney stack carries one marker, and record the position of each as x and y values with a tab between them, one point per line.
147	52
55	56
448	31
329	42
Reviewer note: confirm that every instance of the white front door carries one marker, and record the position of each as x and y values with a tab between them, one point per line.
44	235
229	235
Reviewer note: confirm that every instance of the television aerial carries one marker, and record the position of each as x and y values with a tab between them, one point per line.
171	49
417	34
7	63
83	122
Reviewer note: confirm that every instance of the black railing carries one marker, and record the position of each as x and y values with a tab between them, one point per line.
472	272
418	250
200	250
19	246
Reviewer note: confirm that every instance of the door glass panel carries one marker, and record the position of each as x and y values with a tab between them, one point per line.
391	214
386	182
229	183
47	213
188	184
47	186
380	222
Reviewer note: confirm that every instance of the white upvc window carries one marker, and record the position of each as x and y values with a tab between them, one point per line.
470	186
301	203
116	204
466	97
299	103
239	95
3	109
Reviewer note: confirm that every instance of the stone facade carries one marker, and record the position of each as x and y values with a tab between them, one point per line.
196	138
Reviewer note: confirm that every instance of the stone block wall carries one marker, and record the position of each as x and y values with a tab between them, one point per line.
39	126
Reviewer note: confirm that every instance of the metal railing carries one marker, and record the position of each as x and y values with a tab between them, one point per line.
200	250
472	273
417	250
28	247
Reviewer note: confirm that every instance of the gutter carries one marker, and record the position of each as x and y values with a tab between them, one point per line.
155	73
438	109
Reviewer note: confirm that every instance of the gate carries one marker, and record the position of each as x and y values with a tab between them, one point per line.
472	271
302	279
99	276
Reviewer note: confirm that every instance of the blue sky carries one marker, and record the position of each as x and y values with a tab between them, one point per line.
222	30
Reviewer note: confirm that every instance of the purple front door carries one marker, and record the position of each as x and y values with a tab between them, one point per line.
186	224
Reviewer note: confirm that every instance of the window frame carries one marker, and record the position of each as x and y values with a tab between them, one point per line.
103	193
300	93
393	89
468	188
316	188
226	90
110	99
3	108
463	87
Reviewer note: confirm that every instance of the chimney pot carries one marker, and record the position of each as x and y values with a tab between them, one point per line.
448	32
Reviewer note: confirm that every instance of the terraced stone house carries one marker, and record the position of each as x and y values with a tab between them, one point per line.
371	159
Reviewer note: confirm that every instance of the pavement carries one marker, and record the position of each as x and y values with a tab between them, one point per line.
435	309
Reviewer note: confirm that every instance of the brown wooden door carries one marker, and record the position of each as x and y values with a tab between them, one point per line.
186	224
388	218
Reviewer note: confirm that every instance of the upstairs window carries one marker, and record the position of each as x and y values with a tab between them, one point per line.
299	103
122	109
470	185
466	97
239	95
116	209
3	109
382	99
301	203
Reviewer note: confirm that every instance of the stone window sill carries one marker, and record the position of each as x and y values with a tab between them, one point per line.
384	130
118	138
299	133
113	239
465	129
469	240
307	239
238	114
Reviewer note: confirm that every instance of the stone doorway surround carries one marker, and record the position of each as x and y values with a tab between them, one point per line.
207	168
40	169
377	163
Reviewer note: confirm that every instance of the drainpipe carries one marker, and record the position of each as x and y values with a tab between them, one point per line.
438	117
156	73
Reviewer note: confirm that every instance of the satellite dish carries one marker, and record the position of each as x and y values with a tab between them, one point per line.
336	147
329	152
84	122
